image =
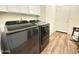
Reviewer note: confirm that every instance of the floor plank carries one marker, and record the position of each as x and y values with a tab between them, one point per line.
60	43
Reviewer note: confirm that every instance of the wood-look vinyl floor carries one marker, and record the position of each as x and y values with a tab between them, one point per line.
60	43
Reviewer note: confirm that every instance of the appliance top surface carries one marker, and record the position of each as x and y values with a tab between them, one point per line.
16	22
13	26
41	23
19	26
38	22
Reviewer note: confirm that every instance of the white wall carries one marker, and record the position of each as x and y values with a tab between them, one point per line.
50	16
74	18
67	16
62	18
42	13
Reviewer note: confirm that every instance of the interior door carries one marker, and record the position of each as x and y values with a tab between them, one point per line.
62	18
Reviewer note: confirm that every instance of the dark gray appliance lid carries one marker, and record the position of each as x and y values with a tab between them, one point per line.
16	22
19	26
16	25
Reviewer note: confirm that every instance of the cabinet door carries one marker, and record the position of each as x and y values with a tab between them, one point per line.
3	8
19	8
24	9
13	8
34	9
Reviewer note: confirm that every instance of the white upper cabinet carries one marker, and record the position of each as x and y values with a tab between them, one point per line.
34	9
18	8
13	8
3	8
26	9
